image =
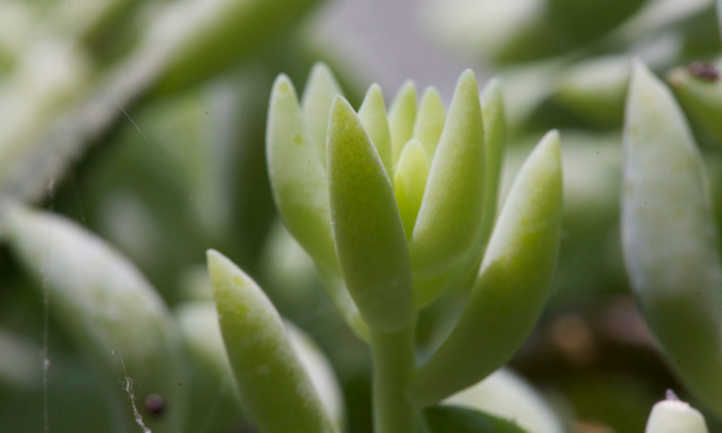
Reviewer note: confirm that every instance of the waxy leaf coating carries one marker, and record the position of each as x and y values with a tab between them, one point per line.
370	239
107	307
430	120
300	186
449	222
512	285
274	386
373	118
674	416
669	236
401	119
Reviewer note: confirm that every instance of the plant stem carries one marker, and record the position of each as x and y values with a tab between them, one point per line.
393	362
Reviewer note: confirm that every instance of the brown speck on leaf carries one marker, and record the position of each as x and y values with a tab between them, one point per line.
704	71
155	405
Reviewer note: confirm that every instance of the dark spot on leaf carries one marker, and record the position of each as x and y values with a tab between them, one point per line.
704	71
155	405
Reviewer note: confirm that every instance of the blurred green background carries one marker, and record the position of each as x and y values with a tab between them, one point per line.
144	122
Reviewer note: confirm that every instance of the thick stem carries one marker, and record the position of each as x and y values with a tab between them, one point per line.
393	362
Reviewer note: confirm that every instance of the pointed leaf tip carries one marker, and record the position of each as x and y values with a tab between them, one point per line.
666	201
370	240
256	340
449	223
373	118
410	182
321	89
401	118
430	120
512	285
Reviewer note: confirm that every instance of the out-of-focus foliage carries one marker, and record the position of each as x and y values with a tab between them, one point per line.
143	122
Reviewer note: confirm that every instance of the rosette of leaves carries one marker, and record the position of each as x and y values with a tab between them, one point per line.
397	208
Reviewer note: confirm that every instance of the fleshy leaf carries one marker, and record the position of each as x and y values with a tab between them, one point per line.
449	222
410	182
274	386
669	236
107	307
370	239
300	190
507	395
674	416
373	118
700	97
454	419
401	119
318	94
512	285
430	120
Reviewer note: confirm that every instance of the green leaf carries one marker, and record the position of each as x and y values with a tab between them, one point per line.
701	99
373	118
449	222
453	419
401	119
492	110
370	239
430	120
318	94
274	386
669	236
300	188
107	307
512	285
214	35
674	416
410	182
494	121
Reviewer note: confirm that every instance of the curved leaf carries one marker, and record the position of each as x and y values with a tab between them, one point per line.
669	236
274	386
453	419
370	239
449	222
512	285
109	309
373	118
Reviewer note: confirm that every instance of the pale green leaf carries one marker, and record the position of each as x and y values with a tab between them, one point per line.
370	239
401	119
410	182
512	285
669	236
107	307
430	120
449	222
274	386
674	416
373	118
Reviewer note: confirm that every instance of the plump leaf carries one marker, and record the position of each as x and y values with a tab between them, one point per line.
401	118
512	285
410	182
430	120
700	97
674	416
373	118
449	222
106	306
508	396
453	419
370	239
669	236
318	94
300	188
274	386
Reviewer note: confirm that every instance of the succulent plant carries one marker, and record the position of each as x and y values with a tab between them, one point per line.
396	209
